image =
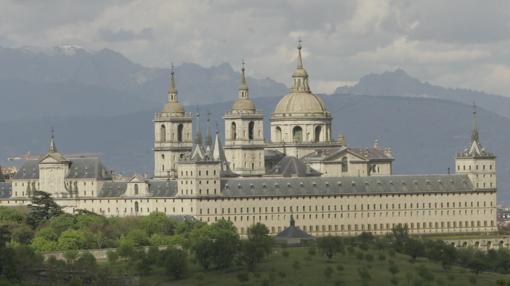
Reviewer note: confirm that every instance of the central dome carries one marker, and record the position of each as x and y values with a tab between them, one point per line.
299	103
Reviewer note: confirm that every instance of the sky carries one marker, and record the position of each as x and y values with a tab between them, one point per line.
454	43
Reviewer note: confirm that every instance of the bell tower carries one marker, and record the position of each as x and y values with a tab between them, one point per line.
244	134
172	134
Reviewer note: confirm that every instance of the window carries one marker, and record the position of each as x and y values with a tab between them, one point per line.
251	127
278	134
136	207
318	130
297	134
136	189
233	132
162	133
345	167
180	127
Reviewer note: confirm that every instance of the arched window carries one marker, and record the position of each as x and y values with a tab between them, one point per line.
136	207
251	126
162	133
297	134
233	132
180	127
136	189
278	134
345	167
318	130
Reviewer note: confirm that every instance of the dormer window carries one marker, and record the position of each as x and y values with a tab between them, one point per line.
136	189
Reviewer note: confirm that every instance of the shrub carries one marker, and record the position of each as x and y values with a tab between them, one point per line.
369	257
340	268
312	250
382	257
285	253
472	279
339	283
112	256
328	272
296	265
282	274
243	276
394	280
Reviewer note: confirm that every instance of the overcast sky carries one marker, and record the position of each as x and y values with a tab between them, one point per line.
455	43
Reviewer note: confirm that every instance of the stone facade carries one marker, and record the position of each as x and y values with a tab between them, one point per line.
327	186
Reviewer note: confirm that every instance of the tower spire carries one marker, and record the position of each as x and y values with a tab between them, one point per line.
300	59
172	91
300	76
53	147
474	133
208	138
243	86
198	134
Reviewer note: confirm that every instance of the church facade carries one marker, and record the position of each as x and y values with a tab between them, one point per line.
328	187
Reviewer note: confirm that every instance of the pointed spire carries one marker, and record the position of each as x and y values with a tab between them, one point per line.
208	138
172	91
53	147
300	59
474	132
300	76
198	134
243	86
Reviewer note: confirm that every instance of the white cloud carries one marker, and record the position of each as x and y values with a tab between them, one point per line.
343	40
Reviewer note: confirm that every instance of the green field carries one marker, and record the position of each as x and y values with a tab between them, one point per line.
301	268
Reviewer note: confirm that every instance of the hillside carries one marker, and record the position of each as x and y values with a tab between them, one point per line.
399	83
72	81
424	133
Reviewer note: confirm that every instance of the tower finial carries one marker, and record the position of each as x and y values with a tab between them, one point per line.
198	134
172	92
53	147
243	86
474	131
208	138
300	59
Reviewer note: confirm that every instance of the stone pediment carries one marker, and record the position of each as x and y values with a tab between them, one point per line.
53	158
337	156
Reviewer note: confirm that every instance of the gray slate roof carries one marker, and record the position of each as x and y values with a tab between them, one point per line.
292	167
112	189
80	168
156	189
292	232
29	170
5	190
163	188
308	186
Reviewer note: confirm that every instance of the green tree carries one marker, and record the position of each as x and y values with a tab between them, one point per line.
22	233
256	247
42	208
72	239
175	262
158	223
329	245
414	248
215	244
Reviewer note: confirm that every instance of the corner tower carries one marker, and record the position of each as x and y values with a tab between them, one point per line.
476	162
244	134
172	134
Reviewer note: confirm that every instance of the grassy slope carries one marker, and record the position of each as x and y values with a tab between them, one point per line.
312	268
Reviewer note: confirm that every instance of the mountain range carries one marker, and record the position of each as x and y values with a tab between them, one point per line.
100	101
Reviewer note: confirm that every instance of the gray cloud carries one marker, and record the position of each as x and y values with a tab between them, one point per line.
124	35
458	43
